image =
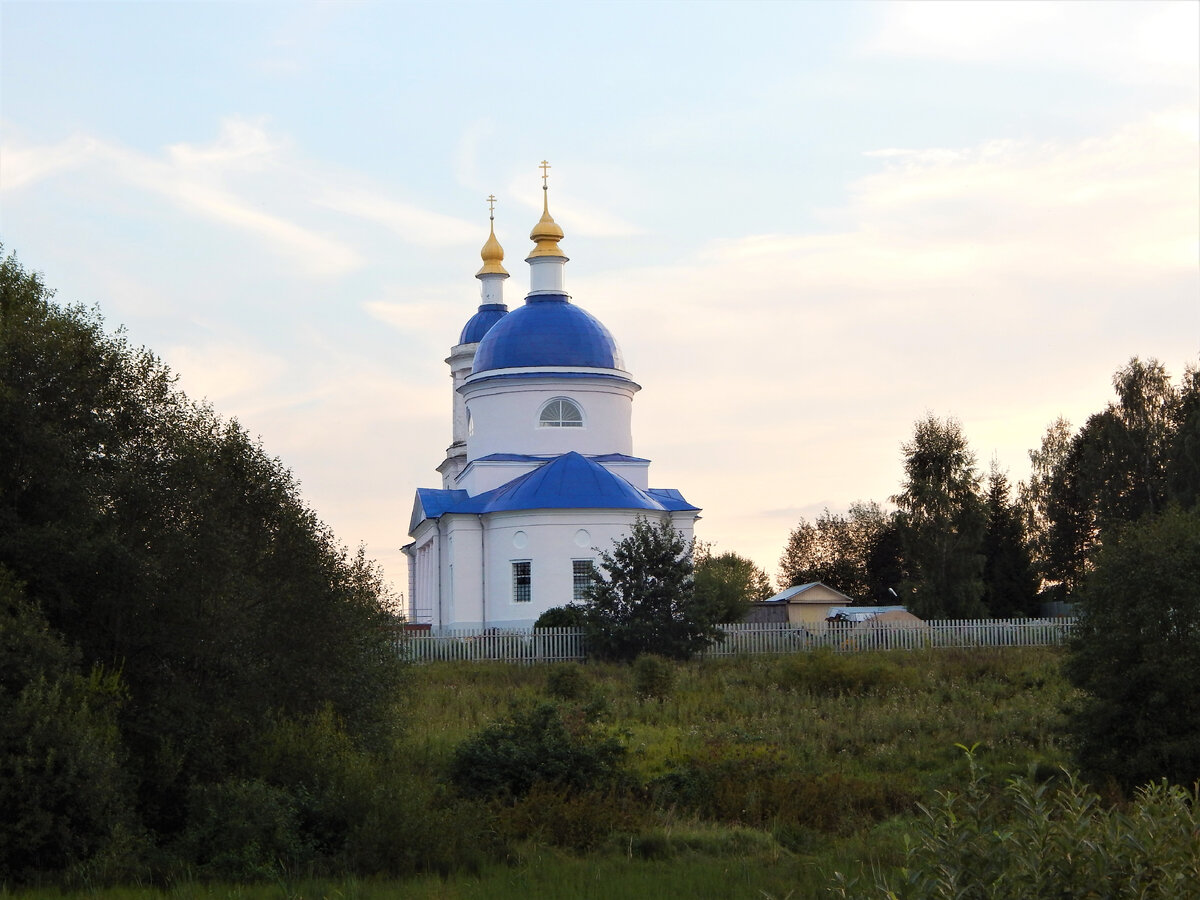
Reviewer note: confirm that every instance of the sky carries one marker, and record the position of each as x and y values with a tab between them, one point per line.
808	224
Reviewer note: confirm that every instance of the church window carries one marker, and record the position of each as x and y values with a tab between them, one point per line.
561	413
522	576
583	573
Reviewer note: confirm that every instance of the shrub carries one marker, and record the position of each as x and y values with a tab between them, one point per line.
653	677
535	746
1136	652
241	829
569	616
1035	841
63	795
566	682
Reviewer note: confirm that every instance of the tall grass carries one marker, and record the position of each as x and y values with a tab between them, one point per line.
752	776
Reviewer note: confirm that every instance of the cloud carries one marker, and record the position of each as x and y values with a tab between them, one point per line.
248	179
416	226
23	166
1135	43
1002	283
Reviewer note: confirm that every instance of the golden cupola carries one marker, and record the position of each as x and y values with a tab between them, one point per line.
492	253
546	233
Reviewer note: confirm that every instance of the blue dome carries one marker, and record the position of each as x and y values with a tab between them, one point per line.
548	330
479	324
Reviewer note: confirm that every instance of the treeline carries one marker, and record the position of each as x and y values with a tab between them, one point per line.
195	677
960	544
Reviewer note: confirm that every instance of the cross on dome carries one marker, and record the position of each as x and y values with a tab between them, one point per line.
546	233
492	253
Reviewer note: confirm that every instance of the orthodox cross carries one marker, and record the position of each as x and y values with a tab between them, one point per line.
545	166
492	206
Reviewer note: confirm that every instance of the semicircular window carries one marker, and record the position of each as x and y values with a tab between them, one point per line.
560	413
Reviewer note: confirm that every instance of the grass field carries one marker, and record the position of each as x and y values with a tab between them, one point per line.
750	776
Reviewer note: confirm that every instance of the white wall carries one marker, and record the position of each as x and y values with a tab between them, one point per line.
504	416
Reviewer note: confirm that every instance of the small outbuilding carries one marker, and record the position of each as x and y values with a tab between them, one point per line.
802	604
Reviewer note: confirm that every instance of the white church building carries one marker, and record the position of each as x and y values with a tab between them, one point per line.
540	473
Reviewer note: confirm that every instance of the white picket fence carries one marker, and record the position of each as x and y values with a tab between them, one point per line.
524	645
544	645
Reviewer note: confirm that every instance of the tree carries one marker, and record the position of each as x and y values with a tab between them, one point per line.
1129	460
726	584
941	523
1136	651
162	542
64	796
643	599
1183	467
1034	496
847	552
1009	584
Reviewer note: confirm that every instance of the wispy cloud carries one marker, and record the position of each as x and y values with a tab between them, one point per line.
248	179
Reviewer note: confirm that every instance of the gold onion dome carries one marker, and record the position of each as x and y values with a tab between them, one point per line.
546	233
492	253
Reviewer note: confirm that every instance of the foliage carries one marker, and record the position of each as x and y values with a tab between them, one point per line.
854	553
653	677
1048	841
1034	495
65	798
941	521
241	829
726	584
163	542
1010	585
569	616
1136	654
535	745
566	681
643	598
1132	459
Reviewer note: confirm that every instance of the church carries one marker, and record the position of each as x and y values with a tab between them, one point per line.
540	474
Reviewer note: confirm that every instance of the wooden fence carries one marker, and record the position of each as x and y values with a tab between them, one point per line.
545	645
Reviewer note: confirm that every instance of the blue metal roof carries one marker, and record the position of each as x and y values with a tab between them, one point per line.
670	498
480	323
430	503
548	330
569	481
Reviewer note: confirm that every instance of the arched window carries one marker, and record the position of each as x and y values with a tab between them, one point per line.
560	413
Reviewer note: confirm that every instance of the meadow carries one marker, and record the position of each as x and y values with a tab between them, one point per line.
755	776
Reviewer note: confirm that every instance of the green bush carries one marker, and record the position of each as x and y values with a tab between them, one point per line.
535	745
64	799
566	681
569	616
1136	653
1051	841
241	829
653	677
360	809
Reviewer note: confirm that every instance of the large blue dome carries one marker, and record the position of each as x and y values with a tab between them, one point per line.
480	323
548	330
